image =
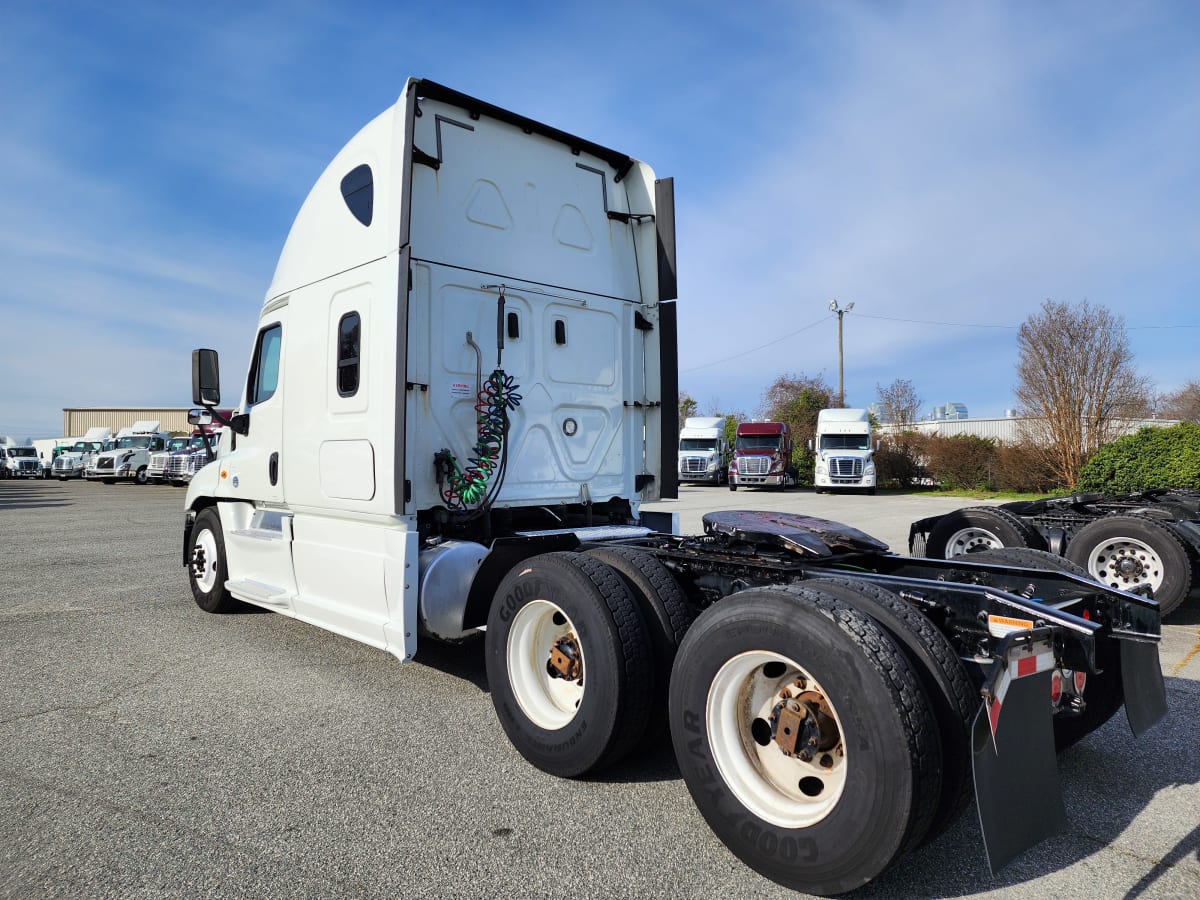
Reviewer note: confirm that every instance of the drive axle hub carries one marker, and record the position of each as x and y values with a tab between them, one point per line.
804	726
1127	568
565	659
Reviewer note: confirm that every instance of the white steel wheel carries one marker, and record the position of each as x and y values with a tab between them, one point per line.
545	664
1125	563
205	559
776	739
971	540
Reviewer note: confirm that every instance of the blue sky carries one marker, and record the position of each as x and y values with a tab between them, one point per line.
944	166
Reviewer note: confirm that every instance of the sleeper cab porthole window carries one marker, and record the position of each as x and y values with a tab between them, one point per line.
358	190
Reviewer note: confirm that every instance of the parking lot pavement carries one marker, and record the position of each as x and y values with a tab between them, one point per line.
153	750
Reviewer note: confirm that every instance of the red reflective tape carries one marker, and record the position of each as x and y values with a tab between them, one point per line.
1031	665
994	716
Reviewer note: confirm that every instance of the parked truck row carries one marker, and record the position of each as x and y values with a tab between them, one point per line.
761	455
456	405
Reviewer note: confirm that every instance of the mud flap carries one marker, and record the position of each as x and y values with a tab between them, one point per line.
1016	769
1142	683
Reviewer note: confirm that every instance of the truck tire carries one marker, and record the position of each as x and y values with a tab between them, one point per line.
1124	551
953	699
1103	694
835	821
1028	558
568	659
733	485
979	528
665	610
142	476
207	569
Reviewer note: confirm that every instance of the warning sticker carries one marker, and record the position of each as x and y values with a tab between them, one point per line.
1002	626
460	389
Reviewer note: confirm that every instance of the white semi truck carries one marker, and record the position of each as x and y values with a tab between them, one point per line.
73	462
703	450
453	413
129	460
845	451
18	461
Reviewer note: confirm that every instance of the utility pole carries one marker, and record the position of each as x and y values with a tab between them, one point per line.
833	307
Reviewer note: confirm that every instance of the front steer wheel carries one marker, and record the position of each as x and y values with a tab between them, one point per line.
207	569
568	663
804	737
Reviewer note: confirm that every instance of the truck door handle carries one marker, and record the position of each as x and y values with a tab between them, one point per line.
273	468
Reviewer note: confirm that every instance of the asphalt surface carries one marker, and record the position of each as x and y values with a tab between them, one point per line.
151	750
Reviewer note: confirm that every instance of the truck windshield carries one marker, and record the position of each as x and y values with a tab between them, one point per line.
21	451
758	442
845	442
137	442
179	443
698	444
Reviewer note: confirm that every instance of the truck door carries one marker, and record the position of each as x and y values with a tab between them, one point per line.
255	472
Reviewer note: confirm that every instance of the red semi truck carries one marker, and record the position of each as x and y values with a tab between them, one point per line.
762	456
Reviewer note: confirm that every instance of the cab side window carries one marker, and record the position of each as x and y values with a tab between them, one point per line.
264	373
349	340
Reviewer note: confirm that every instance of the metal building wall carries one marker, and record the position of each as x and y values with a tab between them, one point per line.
1004	431
77	420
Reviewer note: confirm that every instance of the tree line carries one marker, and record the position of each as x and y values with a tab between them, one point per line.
1077	387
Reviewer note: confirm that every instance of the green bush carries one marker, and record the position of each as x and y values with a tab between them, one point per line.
898	461
805	464
961	462
1150	458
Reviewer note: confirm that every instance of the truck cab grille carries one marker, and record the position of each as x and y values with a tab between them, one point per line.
754	465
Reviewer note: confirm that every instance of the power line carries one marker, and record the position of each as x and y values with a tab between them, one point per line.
792	334
931	322
777	340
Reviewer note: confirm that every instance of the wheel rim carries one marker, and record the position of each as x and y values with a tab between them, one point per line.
204	560
749	730
1125	563
545	665
969	540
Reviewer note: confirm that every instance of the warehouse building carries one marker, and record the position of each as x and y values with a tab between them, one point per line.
77	420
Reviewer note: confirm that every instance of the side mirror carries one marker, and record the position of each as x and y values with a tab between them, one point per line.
810	445
206	378
200	417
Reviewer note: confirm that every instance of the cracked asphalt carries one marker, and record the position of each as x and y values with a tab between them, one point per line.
151	750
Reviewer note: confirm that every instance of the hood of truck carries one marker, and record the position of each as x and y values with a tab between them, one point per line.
846	454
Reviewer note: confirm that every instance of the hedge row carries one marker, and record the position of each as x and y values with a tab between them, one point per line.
962	462
1149	458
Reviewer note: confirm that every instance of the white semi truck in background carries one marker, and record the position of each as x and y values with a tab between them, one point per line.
461	391
704	450
845	451
129	460
18	461
73	461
